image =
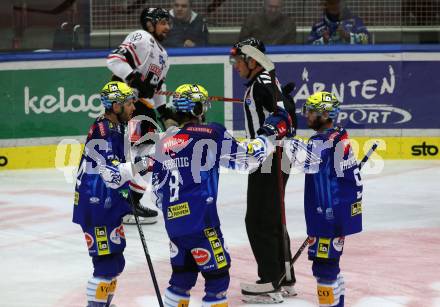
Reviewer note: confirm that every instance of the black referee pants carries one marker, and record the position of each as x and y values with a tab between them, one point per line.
263	221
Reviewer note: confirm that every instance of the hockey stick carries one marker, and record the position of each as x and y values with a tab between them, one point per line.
269	66
272	286
210	98
144	242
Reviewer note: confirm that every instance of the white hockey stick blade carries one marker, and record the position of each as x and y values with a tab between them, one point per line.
258	56
254	288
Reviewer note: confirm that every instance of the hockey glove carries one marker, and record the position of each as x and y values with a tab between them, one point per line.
137	81
257	148
279	124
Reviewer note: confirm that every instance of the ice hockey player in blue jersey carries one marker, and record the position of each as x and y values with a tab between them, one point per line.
338	26
332	197
185	176
101	183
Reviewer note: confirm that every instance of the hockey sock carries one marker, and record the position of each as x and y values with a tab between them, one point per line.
175	297
331	292
98	290
111	292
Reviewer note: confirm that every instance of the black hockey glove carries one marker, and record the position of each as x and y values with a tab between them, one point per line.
279	124
145	89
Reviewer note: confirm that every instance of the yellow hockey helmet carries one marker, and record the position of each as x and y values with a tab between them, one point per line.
116	92
322	102
191	98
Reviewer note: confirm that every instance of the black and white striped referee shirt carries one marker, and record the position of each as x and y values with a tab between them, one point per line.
258	100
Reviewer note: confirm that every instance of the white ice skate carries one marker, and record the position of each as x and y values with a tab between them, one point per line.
266	298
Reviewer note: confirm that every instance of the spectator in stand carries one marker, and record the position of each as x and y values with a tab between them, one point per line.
338	26
270	25
189	28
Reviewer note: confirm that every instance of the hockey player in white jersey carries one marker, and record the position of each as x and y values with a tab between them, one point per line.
142	62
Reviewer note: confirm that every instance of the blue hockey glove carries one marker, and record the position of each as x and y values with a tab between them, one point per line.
279	124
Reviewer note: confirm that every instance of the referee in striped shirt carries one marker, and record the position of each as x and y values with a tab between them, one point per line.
263	216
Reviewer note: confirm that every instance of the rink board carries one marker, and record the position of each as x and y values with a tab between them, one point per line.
387	91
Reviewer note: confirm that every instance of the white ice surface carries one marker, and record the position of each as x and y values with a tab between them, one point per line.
44	260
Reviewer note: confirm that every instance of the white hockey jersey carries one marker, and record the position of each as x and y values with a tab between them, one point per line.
141	52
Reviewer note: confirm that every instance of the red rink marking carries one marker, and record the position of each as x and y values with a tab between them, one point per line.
45	192
384	263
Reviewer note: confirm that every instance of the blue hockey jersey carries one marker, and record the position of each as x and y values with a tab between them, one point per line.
350	23
333	194
98	208
186	174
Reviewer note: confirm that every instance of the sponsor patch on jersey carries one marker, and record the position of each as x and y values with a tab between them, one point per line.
155	69
89	240
76	199
101	240
220	258
338	243
356	208
210	232
217	248
175	142
174	250
325	295
117	234
94	200
102	291
323	248
311	240
179	210
201	255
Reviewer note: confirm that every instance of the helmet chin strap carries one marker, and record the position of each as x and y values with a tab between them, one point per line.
249	70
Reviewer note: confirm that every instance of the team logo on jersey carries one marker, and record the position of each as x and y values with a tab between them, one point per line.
323	248
201	255
136	37
94	200
356	208
89	240
174	250
338	243
179	210
117	234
